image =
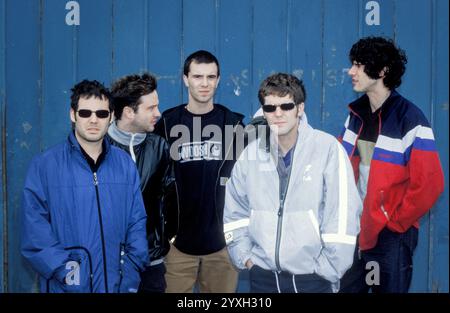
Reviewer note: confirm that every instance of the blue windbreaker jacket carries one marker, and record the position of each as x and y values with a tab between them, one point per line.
84	231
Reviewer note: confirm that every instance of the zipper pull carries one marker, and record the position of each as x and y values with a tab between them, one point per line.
95	179
280	210
382	205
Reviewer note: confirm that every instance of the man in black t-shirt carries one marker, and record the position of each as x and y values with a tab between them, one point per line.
203	137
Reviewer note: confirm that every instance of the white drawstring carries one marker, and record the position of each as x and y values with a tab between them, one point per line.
133	156
293	282
278	283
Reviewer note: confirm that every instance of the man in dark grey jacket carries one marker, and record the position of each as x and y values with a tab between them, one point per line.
136	110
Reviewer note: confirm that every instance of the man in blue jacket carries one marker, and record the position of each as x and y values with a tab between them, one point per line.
83	225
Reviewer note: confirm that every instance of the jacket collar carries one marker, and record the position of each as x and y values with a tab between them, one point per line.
357	106
123	137
172	116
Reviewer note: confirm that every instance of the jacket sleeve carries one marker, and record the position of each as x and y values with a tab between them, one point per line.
136	243
426	181
236	217
340	216
39	245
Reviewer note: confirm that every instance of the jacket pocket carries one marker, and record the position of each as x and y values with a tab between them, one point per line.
129	273
76	274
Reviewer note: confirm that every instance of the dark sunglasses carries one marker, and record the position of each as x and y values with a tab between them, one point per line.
269	108
87	113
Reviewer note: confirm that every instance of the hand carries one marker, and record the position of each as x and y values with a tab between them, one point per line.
249	264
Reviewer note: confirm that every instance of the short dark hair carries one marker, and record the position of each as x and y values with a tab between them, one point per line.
128	90
87	89
200	56
281	84
376	53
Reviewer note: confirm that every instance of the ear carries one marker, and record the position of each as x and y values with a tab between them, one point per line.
301	109
185	79
73	117
128	112
111	117
384	71
218	80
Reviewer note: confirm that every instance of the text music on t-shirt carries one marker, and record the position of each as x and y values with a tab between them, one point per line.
200	150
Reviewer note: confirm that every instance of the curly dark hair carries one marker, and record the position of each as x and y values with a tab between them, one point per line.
87	89
128	90
281	84
376	53
200	56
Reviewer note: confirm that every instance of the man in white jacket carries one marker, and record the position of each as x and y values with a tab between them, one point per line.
291	206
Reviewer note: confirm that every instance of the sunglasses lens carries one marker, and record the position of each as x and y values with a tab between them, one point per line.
269	108
84	113
102	113
287	106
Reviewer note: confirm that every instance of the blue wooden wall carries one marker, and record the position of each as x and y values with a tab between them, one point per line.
41	57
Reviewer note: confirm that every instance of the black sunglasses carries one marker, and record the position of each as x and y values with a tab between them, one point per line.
87	113
269	108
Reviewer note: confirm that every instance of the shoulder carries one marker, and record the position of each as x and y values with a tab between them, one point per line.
324	141
174	110
230	116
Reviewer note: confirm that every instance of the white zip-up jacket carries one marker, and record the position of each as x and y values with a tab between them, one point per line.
315	230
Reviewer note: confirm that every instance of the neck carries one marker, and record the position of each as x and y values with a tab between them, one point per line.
126	126
199	108
286	142
377	97
93	149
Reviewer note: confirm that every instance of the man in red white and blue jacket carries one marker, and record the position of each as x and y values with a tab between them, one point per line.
397	169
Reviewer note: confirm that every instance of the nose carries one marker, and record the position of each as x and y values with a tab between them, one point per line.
205	81
157	113
278	111
352	70
94	118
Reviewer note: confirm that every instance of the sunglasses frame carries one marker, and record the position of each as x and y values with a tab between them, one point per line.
270	108
95	112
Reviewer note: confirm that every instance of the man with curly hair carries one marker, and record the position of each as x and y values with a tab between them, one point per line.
136	110
399	176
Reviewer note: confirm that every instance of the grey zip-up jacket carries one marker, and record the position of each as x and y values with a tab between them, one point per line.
315	229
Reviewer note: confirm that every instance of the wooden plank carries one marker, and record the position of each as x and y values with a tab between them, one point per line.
94	41
2	144
305	53
130	43
439	216
386	20
199	29
24	124
340	32
58	73
235	57
270	40
165	50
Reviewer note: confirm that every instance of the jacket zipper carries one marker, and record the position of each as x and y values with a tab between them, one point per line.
220	169
172	240
105	275
280	221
